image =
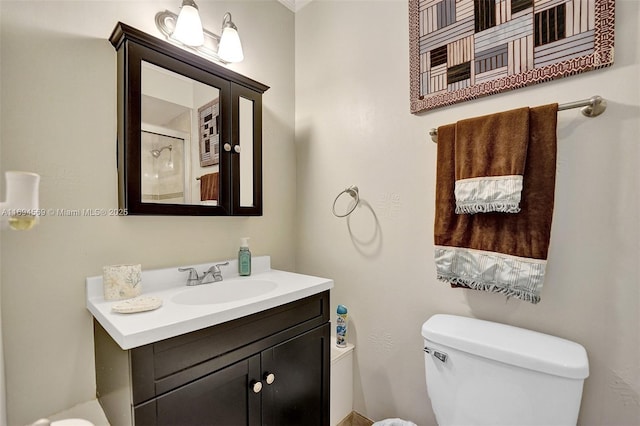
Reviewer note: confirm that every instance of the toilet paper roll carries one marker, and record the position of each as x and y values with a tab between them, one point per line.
121	281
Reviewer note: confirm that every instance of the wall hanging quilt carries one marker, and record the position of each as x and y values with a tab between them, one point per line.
465	49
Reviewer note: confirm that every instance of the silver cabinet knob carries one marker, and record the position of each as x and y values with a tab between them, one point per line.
227	147
270	378
236	148
256	387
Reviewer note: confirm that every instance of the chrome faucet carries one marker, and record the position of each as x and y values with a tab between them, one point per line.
195	279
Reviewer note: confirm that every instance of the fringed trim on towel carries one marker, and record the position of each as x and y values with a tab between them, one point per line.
488	194
491	288
514	276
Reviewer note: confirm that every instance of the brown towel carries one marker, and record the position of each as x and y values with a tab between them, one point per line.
209	187
490	157
497	252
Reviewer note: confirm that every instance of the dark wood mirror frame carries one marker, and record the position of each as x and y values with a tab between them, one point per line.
133	47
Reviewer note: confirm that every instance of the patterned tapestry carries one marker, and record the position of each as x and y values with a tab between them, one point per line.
209	133
465	49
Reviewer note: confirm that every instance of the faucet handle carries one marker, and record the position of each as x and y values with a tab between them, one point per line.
218	265
193	274
216	272
216	268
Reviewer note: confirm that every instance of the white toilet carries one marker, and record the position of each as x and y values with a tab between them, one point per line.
484	373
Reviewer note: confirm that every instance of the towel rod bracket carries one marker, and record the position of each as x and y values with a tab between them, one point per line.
598	106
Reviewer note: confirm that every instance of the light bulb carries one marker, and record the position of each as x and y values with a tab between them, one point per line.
188	28
230	48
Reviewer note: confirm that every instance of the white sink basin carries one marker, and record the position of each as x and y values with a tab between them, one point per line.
186	309
224	292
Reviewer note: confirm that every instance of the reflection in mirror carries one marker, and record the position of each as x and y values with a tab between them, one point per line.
163	166
180	159
246	149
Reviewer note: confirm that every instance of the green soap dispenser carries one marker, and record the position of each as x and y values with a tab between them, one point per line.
244	258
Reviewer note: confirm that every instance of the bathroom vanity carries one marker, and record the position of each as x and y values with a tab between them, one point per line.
261	360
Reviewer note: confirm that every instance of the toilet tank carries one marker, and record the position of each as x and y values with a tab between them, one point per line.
484	373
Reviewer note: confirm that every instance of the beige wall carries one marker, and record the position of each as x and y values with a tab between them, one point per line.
59	120
353	126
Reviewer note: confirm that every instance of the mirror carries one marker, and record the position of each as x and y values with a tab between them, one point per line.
176	111
189	131
246	147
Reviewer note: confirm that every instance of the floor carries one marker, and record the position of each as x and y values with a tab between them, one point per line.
355	419
90	410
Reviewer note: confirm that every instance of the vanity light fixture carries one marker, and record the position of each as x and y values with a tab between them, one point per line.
20	209
186	30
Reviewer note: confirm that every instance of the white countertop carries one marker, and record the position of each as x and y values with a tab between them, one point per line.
173	319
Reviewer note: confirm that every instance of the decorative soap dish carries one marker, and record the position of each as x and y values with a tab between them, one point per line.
137	304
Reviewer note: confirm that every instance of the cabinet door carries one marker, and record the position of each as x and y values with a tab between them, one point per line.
222	398
246	153
299	394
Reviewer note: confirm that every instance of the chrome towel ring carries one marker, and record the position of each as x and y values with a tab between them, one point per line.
353	192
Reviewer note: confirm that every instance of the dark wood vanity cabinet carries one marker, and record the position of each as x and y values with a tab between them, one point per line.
269	368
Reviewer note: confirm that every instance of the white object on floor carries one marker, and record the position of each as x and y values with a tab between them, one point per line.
394	422
65	422
85	414
341	382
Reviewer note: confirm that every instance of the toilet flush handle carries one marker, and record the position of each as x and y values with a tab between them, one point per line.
438	354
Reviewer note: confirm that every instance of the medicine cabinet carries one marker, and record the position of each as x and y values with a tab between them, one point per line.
189	131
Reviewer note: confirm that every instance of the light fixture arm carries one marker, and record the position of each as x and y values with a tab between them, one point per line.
227	22
191	3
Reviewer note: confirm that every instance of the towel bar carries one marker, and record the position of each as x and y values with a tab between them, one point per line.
592	107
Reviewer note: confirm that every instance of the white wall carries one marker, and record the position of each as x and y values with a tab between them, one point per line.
353	126
59	120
